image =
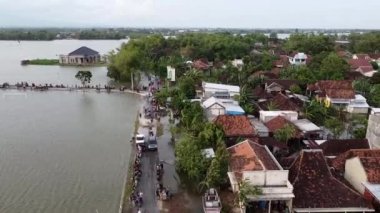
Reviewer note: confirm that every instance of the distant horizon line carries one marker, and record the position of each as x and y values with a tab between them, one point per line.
185	28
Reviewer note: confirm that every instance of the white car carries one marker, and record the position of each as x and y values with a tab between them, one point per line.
140	139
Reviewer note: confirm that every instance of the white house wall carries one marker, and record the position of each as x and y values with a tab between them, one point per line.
355	174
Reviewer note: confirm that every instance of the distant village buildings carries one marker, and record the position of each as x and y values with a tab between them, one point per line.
81	56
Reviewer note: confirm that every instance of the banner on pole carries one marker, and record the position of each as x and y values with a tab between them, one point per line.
170	73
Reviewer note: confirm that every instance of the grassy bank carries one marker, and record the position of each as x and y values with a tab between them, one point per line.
41	62
126	205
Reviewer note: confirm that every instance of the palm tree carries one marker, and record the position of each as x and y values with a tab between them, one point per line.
245	190
285	133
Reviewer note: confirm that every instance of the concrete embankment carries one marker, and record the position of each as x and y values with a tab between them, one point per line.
73	89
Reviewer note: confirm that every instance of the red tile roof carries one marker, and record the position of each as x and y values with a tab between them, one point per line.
339	162
201	64
340	93
277	123
334	88
250	156
356	63
282	102
362	56
374	56
235	125
315	187
372	168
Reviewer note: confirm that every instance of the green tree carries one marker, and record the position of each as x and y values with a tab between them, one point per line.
315	112
375	79
363	86
374	95
333	68
190	160
84	77
295	89
335	126
285	133
246	190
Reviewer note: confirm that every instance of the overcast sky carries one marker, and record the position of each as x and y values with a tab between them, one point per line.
191	13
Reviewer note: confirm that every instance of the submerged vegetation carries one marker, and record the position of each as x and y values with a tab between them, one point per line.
41	62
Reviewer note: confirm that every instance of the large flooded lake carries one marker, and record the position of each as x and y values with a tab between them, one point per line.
12	52
61	151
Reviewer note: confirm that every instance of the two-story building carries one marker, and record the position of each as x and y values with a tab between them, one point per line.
254	163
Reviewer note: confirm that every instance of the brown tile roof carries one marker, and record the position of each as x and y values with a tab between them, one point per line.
374	56
340	93
250	156
282	102
315	187
362	56
285	84
356	63
336	147
260	93
372	168
339	162
201	64
334	88
235	125
277	123
334	84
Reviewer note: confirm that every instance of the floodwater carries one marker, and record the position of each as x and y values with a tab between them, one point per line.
64	151
61	151
12	52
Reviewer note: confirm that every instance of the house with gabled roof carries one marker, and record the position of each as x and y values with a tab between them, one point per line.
235	127
215	106
361	169
81	56
317	190
254	163
339	93
278	85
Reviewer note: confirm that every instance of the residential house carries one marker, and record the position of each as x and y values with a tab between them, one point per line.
201	64
212	89
81	56
317	190
308	129
215	106
362	66
282	62
303	127
361	56
260	128
334	147
361	168
238	63
266	116
235	127
333	92
375	57
260	94
375	111
367	71
280	102
373	131
278	85
298	59
254	163
358	105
